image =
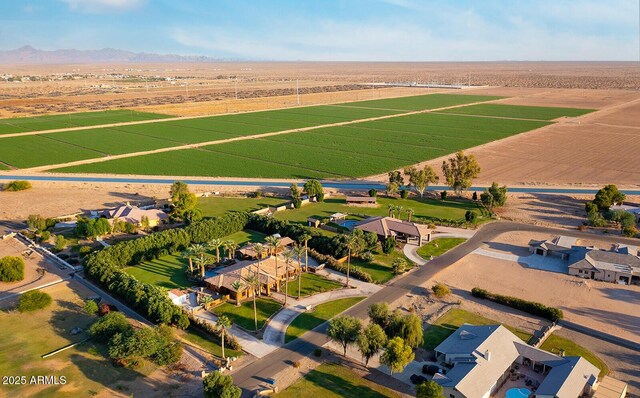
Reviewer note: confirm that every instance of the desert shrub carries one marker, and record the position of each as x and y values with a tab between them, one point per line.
33	300
440	290
532	307
11	269
404	194
18	185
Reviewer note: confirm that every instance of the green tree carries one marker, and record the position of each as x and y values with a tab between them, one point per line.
420	179
202	262
36	222
399	265
217	385
288	256
275	244
591	208
459	171
395	177
388	244
608	196
379	314
33	300
294	190
313	188
223	323
397	355
487	199
411	330
11	269
253	282
470	216
370	341
499	194
230	247
299	252
305	238
344	330
409	214
216	244
145	223
429	389
184	202
90	307
18	185
109	325
392	188
354	245
237	286
60	243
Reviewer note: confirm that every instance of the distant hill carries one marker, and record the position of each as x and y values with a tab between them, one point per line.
30	55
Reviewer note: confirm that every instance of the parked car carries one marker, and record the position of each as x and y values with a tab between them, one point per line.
430	369
417	379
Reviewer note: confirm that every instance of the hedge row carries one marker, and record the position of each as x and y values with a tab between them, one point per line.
331	262
229	340
551	313
105	266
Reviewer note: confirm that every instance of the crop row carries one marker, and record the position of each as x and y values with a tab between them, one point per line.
518	111
420	102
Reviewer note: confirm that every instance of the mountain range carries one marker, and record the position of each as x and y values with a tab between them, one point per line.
30	55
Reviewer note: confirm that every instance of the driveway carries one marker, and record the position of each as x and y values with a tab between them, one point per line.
551	264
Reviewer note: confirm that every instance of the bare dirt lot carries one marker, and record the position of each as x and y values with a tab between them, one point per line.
601	306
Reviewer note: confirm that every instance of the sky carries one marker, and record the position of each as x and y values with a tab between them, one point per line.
333	30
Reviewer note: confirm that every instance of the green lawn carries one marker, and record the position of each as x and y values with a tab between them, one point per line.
453	319
320	314
202	340
438	247
519	111
243	315
312	284
424	208
556	344
215	206
380	268
26	337
334	381
167	271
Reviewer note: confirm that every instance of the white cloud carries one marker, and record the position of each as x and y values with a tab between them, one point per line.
100	6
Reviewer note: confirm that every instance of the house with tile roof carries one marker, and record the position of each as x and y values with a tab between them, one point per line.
404	231
133	214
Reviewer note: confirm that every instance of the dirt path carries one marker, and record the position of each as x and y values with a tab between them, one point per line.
242	138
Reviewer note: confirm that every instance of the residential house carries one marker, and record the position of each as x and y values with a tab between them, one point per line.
609	266
560	246
405	231
478	361
359	200
248	251
134	215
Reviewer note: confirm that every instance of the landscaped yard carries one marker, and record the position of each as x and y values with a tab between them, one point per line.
380	268
243	315
453	319
312	284
556	344
216	206
201	339
26	337
334	381
438	246
425	208
320	314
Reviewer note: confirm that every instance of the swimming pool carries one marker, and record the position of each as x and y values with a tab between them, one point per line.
348	224
518	393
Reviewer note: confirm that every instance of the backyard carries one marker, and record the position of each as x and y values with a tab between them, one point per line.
312	284
318	315
444	326
438	247
557	344
243	315
380	268
217	206
331	380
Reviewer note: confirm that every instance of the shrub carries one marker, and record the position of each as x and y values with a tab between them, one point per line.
18	185
373	192
297	364
90	307
388	244
471	216
440	290
443	195
630	231
590	208
332	263
297	203
84	250
532	307
320	197
11	269
367	256
33	300
229	340
474	197
37	222
108	326
60	243
404	194
45	236
217	385
317	352
399	266
596	220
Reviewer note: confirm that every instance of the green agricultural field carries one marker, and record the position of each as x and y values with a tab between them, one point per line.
420	102
330	380
519	111
34	150
318	315
217	206
110	141
444	326
4	166
39	123
243	315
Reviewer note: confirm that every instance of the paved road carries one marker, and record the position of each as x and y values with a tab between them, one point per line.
362	185
252	377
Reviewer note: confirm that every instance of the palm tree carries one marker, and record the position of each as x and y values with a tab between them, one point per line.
274	244
353	244
215	244
202	262
252	282
391	208
410	212
399	211
288	255
237	285
206	299
195	250
259	249
299	251
230	248
223	323
306	238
